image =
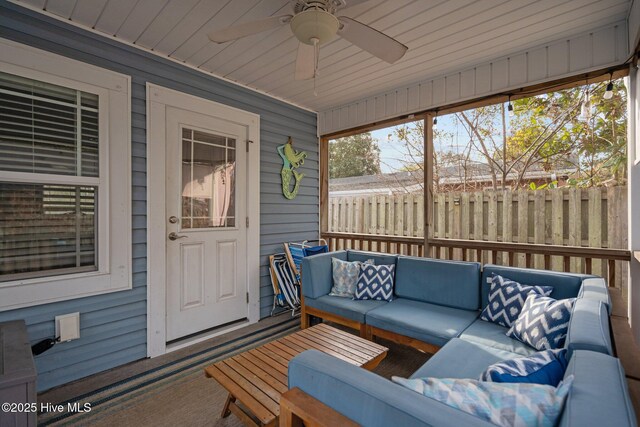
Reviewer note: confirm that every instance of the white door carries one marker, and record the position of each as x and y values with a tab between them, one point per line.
206	234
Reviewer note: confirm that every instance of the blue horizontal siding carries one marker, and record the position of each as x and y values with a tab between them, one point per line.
113	326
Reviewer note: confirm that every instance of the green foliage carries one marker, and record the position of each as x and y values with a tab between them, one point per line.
551	127
355	155
548	186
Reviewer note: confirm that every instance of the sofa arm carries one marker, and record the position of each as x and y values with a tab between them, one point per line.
367	398
589	327
595	288
317	274
599	395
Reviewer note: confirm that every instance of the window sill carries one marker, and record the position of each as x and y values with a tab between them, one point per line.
44	290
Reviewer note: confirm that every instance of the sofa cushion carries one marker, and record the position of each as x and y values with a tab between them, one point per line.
599	395
367	398
506	298
450	283
589	327
565	285
504	404
375	282
431	323
595	288
492	335
544	367
543	322
378	258
351	309
462	359
317	273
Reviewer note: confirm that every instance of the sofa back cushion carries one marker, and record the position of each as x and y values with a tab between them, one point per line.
317	273
565	285
589	327
450	283
377	257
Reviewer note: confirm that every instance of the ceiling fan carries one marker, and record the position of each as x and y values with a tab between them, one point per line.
314	22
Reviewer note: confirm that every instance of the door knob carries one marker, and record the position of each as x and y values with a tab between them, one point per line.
174	236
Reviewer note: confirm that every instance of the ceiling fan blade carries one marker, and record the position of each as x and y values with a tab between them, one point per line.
305	62
371	40
248	28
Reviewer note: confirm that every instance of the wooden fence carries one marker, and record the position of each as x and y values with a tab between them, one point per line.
594	218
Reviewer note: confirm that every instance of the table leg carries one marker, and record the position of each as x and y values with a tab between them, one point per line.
225	409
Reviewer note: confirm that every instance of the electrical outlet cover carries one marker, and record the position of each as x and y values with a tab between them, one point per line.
68	327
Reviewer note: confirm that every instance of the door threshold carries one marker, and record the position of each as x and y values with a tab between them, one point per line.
183	342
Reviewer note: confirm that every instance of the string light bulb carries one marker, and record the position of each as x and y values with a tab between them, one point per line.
510	108
608	94
435	121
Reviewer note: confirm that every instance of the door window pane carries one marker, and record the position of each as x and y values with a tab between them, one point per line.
208	180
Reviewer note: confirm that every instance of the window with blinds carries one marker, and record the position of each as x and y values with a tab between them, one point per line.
49	179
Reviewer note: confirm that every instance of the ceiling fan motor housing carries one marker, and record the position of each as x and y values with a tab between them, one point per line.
314	23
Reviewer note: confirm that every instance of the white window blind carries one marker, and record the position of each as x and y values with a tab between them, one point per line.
46	227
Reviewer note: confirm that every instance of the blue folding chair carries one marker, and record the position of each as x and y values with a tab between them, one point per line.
296	251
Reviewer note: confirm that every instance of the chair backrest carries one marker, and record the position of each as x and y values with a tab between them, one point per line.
296	251
284	281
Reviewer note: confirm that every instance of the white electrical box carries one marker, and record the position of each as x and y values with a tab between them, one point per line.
68	327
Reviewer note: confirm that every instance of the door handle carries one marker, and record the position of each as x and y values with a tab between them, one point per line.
174	236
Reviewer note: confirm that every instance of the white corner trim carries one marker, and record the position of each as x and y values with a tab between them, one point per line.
157	99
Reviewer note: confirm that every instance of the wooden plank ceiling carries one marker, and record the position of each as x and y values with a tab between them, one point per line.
442	36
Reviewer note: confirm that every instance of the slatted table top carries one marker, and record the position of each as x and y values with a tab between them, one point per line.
257	378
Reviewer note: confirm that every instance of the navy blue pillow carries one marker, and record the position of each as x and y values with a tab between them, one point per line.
543	322
375	282
544	367
506	298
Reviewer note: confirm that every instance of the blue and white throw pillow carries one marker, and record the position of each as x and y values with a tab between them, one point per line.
345	276
543	322
545	367
506	298
503	404
375	282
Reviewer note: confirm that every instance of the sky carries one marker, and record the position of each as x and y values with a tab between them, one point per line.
391	150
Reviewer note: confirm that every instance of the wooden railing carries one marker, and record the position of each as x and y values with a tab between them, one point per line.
510	254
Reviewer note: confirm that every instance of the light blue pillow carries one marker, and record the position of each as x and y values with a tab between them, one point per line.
545	367
503	404
345	277
375	282
543	322
506	298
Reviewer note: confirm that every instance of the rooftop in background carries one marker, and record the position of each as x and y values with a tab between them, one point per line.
452	179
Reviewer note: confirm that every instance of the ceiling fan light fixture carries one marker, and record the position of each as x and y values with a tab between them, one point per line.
314	23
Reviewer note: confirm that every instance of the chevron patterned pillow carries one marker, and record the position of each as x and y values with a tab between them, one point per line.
375	282
506	298
543	322
503	404
545	367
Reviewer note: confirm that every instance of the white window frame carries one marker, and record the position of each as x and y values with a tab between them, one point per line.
114	195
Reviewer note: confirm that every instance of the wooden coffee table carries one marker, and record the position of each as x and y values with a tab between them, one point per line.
256	379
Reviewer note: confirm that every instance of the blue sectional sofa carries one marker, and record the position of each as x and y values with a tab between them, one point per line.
436	307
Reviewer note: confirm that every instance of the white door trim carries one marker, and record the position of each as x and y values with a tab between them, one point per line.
158	98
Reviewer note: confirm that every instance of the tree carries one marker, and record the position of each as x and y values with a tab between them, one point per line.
355	155
546	133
